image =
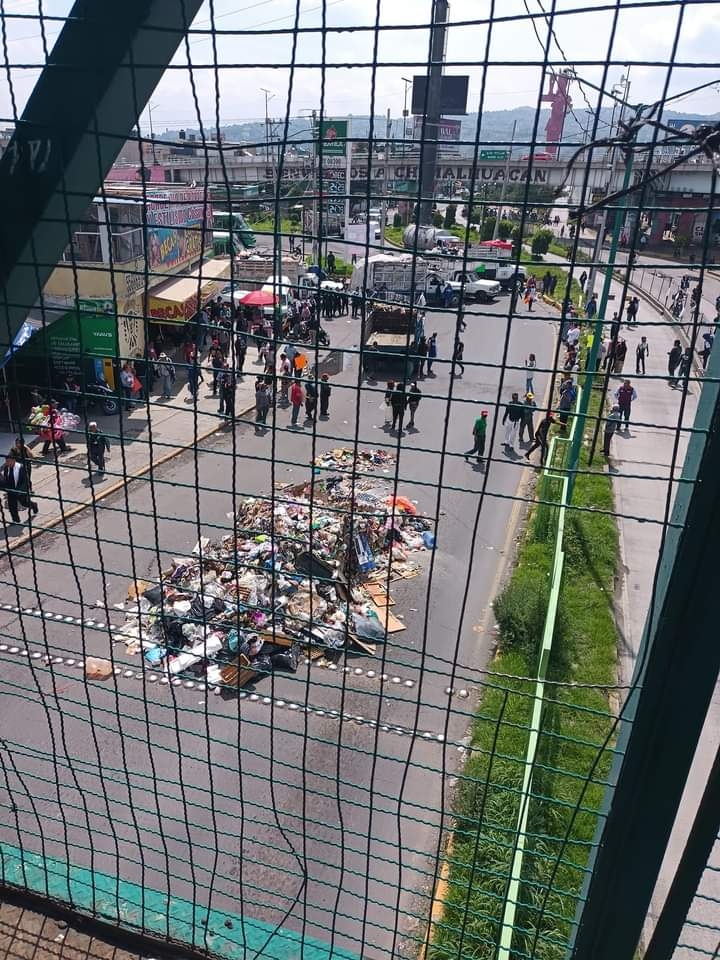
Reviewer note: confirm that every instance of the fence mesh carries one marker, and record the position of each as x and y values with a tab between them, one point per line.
300	655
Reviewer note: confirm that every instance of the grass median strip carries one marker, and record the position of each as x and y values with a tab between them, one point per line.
572	760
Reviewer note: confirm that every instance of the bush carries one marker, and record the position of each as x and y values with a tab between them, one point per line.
295	217
450	216
437	220
521	607
541	241
505	229
397	221
487	229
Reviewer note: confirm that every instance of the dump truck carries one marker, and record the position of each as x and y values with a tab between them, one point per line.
390	338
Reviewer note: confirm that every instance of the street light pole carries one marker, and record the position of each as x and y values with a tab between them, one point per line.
408	83
433	110
505	180
268	97
597	333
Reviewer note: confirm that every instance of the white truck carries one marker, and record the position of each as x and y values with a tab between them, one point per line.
470	284
496	257
393	279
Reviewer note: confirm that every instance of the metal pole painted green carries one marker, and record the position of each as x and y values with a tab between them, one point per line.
597	331
675	678
83	108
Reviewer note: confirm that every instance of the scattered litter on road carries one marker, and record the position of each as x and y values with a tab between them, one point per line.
301	576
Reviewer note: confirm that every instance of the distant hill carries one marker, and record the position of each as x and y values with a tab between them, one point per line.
496	127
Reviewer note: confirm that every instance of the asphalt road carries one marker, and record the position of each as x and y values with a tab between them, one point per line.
271	806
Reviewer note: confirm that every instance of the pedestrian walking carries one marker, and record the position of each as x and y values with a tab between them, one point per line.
240	352
422	352
674	358
591	307
457	358
431	353
24	455
632	311
642	352
166	372
297	398
619	355
526	420
530	368
601	354
708	340
387	404
479	434
612	425
581	280
53	434
227	385
541	437
98	446
413	401
568	396
511	421
262	403
127	379
398	403
625	396
529	296
217	362
685	363
14	480
285	378
325	391
311	398
195	378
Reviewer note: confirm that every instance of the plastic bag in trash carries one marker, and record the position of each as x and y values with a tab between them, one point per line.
368	628
155	655
428	539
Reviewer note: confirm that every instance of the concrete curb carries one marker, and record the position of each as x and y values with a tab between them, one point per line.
118	485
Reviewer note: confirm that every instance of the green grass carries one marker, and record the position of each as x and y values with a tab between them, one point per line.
571	761
267	225
562	274
459	231
563	248
395	235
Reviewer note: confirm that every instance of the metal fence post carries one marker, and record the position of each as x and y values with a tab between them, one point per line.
676	673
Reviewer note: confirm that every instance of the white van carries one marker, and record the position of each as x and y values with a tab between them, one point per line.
283	289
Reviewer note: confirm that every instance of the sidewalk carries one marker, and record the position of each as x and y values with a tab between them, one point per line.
62	487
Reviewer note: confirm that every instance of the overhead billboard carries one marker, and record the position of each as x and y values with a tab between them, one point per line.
175	221
453	95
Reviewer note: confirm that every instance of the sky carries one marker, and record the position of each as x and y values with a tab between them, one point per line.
255	50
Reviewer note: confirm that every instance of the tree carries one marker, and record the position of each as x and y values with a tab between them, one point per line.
437	220
488	228
505	229
450	216
397	221
541	240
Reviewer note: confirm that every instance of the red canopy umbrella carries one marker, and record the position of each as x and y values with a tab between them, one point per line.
259	298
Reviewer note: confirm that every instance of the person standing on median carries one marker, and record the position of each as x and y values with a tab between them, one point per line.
642	352
97	446
625	396
479	434
511	421
612	424
591	308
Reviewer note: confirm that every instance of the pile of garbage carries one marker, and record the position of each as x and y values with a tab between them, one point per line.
297	577
349	459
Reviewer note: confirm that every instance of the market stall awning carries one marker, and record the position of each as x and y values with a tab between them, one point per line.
176	300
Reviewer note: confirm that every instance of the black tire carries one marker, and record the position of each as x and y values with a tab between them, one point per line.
110	406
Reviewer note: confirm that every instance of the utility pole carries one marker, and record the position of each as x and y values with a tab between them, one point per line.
408	83
268	97
505	180
316	141
433	109
384	206
597	328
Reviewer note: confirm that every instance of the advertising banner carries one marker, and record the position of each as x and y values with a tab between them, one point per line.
175	229
333	134
447	129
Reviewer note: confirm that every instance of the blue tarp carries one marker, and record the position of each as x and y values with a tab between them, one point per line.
21	337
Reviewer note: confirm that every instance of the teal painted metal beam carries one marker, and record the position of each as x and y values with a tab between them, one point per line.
152	914
84	106
676	674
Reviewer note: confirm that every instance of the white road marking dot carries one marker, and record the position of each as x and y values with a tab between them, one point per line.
35	656
177	682
359	671
70	663
3	647
464	694
129	673
152	677
396	680
371	673
294	706
189	685
267	700
449	691
409	683
279	703
15	650
164	680
254	697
